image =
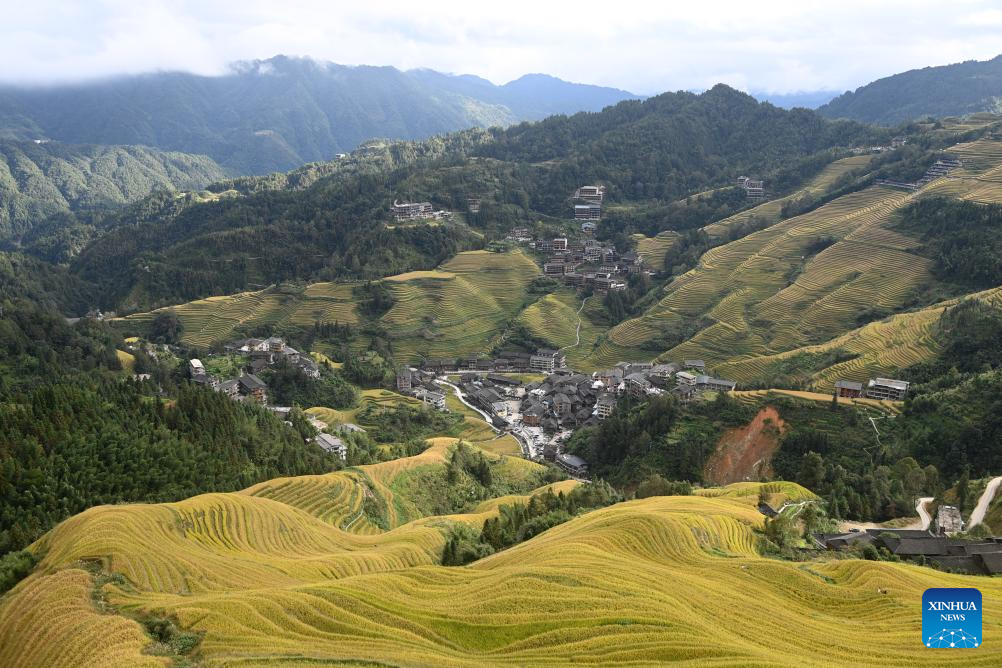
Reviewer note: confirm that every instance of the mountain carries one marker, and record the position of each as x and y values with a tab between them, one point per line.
277	114
41	180
949	90
806	99
331	220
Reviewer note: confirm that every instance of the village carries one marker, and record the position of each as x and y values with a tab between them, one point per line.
534	396
542	414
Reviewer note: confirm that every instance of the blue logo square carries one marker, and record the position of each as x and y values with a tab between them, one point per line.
951	618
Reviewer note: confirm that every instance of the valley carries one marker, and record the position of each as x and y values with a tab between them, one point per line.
686	378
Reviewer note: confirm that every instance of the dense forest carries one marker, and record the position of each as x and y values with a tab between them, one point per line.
657	436
963	239
42	181
74	434
949	90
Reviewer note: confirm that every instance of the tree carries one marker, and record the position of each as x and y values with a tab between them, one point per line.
166	327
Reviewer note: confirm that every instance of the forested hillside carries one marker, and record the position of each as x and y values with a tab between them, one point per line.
75	433
331	220
40	181
949	90
280	113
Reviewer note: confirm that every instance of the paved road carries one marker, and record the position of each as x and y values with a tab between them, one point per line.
978	514
462	398
925	519
526	450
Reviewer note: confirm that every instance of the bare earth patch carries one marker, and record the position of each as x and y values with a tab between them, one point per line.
745	453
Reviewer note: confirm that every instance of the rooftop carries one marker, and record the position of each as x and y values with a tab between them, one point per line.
890	382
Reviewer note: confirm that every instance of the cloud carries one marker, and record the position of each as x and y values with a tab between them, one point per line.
642	46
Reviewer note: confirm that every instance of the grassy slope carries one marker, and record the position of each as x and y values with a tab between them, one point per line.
662	579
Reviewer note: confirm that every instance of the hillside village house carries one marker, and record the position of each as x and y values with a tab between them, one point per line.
428	397
573	464
848	388
587	212
253	387
412	210
547	361
333	445
714	384
887	388
590	193
605	405
685	378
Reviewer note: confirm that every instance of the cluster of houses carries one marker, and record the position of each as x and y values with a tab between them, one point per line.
588	264
248	386
876	388
938	170
974	557
420	383
261	354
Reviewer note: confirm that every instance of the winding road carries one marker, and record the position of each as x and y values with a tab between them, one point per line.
978	514
526	452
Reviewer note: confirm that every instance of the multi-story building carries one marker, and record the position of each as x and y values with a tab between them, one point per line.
587	212
604	406
887	388
560	244
590	193
405	379
412	210
547	361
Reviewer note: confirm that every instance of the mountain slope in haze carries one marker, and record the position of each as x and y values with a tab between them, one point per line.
949	90
806	99
38	181
277	114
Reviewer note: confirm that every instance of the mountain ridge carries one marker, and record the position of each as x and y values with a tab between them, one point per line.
945	90
277	114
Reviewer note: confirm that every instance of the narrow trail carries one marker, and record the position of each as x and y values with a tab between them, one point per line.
978	514
577	332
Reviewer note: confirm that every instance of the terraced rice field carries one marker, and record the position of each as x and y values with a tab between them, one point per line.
648	582
761	300
377	398
214	319
875	349
769	211
459	309
754	397
654	249
555	317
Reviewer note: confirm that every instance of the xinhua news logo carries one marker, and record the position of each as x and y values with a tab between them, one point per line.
951	618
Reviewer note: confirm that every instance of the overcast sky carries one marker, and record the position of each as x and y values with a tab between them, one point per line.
645	47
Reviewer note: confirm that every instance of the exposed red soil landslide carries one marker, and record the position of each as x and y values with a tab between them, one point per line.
746	453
